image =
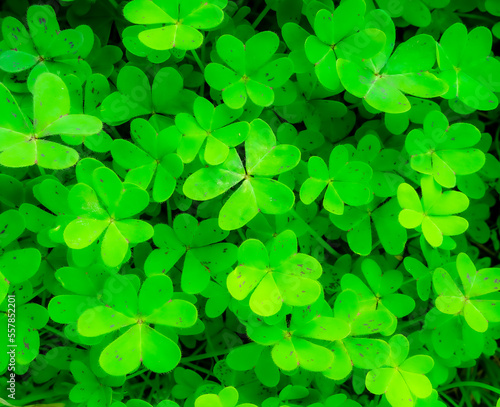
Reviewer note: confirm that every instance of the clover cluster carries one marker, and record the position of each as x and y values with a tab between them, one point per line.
270	203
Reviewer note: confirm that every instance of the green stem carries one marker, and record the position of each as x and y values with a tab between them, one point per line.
205	356
39	397
169	213
200	369
55	331
448	399
37	293
138	373
315	234
261	16
42	171
243	238
472	384
198	60
475	17
406	324
114	4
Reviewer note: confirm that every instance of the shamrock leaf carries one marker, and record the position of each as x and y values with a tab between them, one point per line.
341	33
258	192
96	90
140	343
384	80
49	228
358	221
106	209
421	274
84	285
22	144
136	97
303	342
174	24
250	70
275	275
46	48
404	381
199	243
346	181
383	162
18	265
444	151
382	292
434	213
29	319
476	302
257	357
361	352
89	388
213	124
227	397
467	67
151	156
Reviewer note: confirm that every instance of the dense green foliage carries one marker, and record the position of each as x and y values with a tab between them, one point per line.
270	203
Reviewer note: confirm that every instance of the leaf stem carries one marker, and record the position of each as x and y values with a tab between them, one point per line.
198	60
169	213
138	373
55	331
261	16
475	17
205	356
199	368
114	4
406	324
315	234
448	399
472	384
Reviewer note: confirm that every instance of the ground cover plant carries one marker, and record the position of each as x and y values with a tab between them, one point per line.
269	203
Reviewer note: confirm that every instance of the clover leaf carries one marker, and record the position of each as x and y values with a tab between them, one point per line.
22	143
341	33
199	243
444	151
302	343
467	67
46	48
18	265
174	24
213	124
106	208
28	320
421	274
140	343
358	221
384	80
250	70
346	181
435	212
258	357
382	291
355	349
135	96
151	157
476	302
404	381
49	228
89	388
227	397
258	192
275	275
